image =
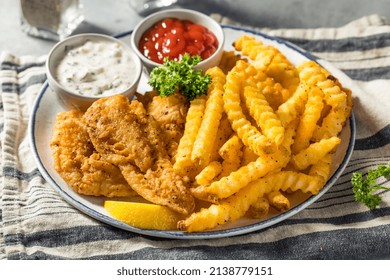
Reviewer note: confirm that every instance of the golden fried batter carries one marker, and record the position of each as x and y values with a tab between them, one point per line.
118	134
125	135
76	160
170	113
168	110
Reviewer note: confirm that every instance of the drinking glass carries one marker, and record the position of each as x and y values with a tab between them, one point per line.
146	7
50	19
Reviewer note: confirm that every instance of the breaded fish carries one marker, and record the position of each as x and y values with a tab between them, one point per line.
125	135
76	160
170	113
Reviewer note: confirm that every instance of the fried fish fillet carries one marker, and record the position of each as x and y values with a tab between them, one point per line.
169	110
125	135
76	160
170	113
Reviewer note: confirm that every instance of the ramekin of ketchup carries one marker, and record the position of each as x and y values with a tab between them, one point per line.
173	37
172	33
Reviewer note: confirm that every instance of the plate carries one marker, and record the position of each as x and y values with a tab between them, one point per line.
47	106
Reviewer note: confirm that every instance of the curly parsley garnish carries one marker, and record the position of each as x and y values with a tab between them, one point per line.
180	76
364	187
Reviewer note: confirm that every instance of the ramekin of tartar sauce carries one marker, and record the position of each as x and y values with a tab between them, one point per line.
86	67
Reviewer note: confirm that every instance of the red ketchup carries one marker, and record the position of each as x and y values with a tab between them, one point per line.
173	37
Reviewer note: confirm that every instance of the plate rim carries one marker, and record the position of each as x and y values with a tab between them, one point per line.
241	230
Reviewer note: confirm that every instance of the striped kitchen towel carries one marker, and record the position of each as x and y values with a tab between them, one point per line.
36	223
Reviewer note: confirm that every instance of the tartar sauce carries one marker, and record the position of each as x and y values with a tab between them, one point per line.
96	68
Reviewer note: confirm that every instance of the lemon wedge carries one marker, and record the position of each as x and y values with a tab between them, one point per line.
143	215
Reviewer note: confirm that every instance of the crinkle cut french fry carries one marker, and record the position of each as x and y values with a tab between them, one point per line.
311	73
270	60
312	154
293	181
235	206
259	209
278	200
223	134
308	120
228	60
340	103
264	164
263	114
248	134
183	162
218	79
251	74
255	50
273	92
258	88
322	168
207	133
208	173
248	155
233	144
247	43
231	154
229	209
294	106
331	125
334	95
283	72
289	137
236	180
348	92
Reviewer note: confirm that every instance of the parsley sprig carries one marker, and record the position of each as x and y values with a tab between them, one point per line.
180	76
364	187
